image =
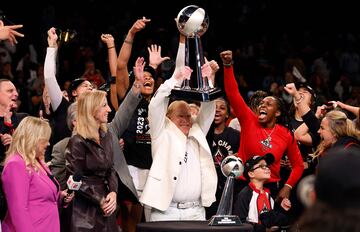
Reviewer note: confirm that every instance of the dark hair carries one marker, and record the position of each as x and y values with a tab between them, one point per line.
226	103
284	118
256	98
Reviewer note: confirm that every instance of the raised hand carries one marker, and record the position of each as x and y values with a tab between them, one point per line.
108	39
155	58
291	89
9	32
183	74
139	72
52	38
209	70
139	25
226	57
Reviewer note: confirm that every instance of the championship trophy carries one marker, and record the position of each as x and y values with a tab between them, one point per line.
232	168
192	21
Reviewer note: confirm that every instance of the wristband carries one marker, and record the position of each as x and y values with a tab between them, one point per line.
128	41
229	64
112	80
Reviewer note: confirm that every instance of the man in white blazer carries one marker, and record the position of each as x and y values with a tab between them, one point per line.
182	179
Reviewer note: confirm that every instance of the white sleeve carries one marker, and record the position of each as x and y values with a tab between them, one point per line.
159	102
51	83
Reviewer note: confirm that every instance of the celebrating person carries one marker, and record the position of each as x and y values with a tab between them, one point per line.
182	166
265	132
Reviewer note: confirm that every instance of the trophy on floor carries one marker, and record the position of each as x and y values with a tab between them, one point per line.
231	167
192	21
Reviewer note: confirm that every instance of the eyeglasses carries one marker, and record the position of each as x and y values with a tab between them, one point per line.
262	166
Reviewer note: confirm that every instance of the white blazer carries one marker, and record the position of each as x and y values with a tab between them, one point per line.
168	145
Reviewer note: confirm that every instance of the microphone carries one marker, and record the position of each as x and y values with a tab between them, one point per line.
74	182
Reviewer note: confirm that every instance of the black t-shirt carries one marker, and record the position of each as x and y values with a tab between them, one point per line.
60	129
304	150
137	139
59	124
224	144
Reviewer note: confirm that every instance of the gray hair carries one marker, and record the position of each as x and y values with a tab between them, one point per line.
71	115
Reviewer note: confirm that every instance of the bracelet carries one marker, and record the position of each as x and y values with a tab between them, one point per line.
111	47
229	64
300	100
128	41
289	186
112	80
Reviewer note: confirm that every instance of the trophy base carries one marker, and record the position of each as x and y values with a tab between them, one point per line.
195	94
225	220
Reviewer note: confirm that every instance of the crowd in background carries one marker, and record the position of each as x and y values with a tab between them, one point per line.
306	74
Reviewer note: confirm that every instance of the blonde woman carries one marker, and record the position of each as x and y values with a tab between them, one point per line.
31	191
90	152
337	131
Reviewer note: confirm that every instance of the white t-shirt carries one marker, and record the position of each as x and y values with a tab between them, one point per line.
234	123
188	187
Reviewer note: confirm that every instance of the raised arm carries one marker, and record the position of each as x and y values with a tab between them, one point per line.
159	103
112	56
50	70
207	109
122	73
352	109
301	105
123	115
241	110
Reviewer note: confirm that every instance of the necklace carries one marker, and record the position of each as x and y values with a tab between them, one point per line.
267	142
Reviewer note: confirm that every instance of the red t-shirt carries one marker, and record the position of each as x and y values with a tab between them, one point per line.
252	133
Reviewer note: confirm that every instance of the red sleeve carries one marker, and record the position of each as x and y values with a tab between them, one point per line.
241	110
296	162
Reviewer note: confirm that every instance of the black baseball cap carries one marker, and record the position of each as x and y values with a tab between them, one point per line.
76	83
303	85
250	163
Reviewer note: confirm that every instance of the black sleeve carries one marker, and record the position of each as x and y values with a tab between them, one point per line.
241	206
313	123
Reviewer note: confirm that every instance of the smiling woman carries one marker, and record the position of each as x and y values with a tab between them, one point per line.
28	184
264	132
90	151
